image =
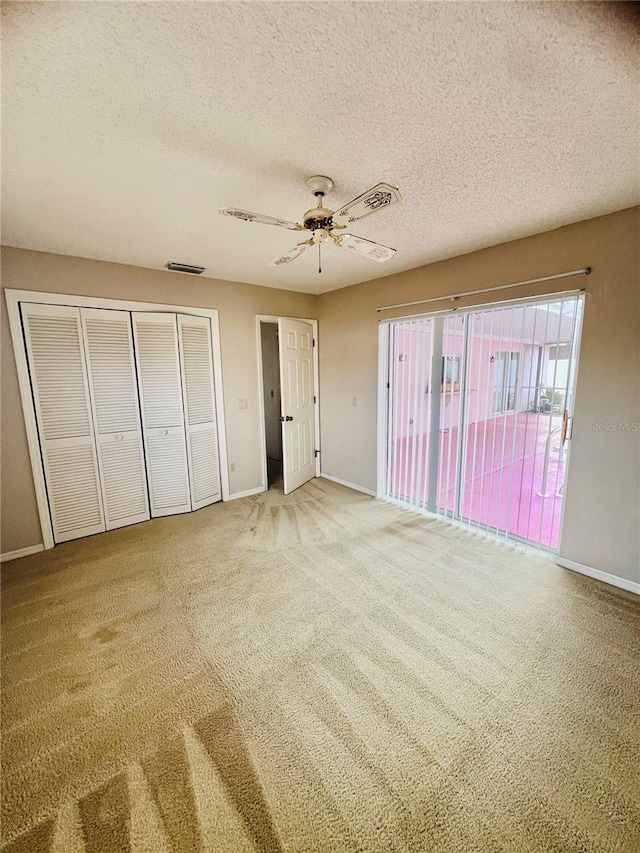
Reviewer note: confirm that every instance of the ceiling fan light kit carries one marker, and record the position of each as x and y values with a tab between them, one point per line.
324	224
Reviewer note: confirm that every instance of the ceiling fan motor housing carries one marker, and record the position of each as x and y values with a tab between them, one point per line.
318	217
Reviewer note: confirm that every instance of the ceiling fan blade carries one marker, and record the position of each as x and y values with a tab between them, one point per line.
292	255
368	248
377	198
258	217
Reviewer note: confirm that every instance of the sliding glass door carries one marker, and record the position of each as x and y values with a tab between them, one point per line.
477	414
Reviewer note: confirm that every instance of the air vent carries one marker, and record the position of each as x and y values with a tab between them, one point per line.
174	266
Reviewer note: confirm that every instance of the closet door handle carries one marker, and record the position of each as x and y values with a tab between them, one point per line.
119	438
164	432
288	418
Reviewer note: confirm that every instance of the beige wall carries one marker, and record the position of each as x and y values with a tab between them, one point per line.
601	526
237	303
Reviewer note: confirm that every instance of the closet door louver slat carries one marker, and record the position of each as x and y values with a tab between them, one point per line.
53	338
124	481
114	393
199	405
158	365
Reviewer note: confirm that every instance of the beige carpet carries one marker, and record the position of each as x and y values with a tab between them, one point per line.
322	672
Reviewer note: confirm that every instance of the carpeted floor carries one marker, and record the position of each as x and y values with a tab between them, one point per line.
321	672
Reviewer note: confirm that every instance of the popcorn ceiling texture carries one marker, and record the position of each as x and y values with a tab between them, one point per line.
127	125
317	672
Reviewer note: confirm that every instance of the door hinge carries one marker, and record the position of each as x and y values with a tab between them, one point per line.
317	453
314	341
315	399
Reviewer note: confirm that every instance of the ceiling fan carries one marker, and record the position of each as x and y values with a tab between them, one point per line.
324	224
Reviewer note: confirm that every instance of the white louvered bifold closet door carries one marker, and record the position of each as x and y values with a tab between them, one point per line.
116	415
53	337
158	363
196	358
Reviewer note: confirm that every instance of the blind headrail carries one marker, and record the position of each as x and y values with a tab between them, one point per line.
453	297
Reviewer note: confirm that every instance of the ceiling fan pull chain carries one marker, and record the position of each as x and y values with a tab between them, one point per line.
319	258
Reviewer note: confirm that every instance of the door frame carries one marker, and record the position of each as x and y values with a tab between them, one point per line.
269	318
15	297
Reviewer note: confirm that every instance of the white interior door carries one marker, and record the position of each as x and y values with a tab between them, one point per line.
116	415
158	364
53	337
295	339
196	357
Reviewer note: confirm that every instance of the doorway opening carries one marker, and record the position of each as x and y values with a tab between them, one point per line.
289	403
477	417
271	396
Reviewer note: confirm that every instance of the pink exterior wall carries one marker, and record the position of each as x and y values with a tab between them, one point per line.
412	357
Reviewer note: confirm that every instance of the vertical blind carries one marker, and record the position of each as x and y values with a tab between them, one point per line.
478	403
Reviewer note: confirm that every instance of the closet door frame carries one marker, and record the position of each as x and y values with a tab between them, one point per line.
15	297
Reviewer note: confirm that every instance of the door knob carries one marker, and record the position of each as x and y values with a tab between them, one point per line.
288	418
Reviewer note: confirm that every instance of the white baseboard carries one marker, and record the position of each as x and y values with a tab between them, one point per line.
605	577
21	552
348	485
247	494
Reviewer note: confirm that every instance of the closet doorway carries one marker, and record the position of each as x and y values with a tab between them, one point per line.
271	402
289	402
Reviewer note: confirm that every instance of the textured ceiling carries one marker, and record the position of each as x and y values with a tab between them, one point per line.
127	125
